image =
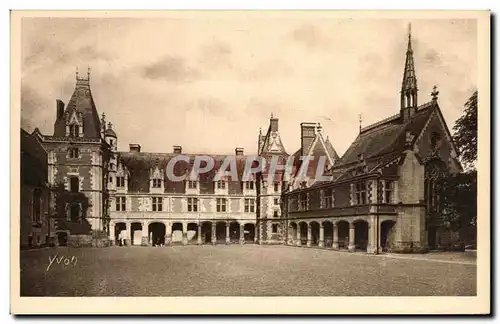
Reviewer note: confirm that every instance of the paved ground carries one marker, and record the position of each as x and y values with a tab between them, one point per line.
233	270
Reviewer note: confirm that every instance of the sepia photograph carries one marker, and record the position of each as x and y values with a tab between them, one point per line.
264	154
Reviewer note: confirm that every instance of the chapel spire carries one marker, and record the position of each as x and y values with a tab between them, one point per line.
409	87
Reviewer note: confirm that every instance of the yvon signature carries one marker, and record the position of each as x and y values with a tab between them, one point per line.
66	261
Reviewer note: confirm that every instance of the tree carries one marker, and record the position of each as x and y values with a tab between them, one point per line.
458	192
465	136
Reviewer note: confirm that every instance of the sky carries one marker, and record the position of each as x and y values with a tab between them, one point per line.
208	85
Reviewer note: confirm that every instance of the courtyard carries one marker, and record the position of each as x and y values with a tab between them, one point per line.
241	270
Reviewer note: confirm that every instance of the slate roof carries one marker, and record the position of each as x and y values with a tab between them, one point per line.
83	102
34	169
140	164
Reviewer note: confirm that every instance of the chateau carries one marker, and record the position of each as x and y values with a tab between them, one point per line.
380	197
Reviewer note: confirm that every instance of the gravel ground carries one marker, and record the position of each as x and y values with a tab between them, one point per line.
233	270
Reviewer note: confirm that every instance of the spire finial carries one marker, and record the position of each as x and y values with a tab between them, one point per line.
88	73
76	73
434	93
360	121
409	30
110	126
272	115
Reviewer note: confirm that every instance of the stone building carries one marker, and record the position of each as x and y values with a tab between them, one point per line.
35	194
381	196
78	156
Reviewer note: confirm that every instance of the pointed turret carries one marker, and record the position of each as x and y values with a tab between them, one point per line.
409	87
80	112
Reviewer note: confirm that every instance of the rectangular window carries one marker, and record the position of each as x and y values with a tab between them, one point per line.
191	184
192	204
110	179
121	204
327	196
74	184
360	193
74	130
221	184
276	201
275	214
249	185
221	205
120	181
157	203
302	202
156	183
275	228
276	186
249	205
388	192
37	202
74	153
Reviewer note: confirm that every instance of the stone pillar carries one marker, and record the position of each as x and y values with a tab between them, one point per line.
184	234
299	243
372	245
145	237
351	247
199	234
321	235
308	235
214	237
335	242
242	233
151	238
127	234
168	233
228	238
255	237
112	232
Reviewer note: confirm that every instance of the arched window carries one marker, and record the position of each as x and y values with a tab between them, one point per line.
435	140
434	170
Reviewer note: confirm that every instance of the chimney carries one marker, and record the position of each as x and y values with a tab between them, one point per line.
60	108
177	149
238	151
135	148
274	124
307	134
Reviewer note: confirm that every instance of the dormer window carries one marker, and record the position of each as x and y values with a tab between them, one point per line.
156	183
249	185
192	184
74	130
221	184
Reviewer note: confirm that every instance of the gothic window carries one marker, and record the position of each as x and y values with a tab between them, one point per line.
434	170
191	184
156	183
435	140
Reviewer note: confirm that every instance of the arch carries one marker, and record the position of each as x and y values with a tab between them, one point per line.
386	234
314	233
120	231
157	233
206	232
62	238
220	232
328	233
177	232
343	233
192	232
135	233
361	227
303	233
234	232
249	232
